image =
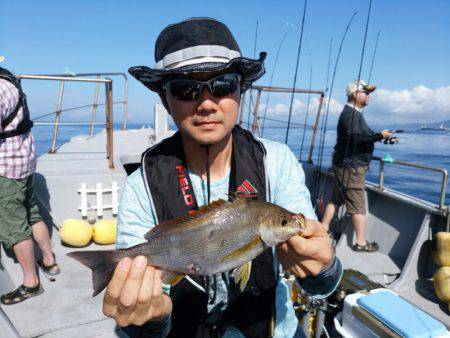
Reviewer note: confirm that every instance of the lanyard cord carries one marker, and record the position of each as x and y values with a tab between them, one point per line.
208	175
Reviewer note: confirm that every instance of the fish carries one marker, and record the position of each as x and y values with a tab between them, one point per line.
222	236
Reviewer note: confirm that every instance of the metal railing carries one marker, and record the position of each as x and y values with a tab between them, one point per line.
108	108
96	104
260	89
417	166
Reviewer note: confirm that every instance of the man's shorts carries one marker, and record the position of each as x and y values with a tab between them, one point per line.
349	188
18	210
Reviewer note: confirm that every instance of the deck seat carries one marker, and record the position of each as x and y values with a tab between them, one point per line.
378	266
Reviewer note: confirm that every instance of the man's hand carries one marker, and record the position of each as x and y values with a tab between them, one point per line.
307	254
386	133
134	295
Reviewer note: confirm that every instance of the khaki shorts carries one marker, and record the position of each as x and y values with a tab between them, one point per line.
18	210
349	188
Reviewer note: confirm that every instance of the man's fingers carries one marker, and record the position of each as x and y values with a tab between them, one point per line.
130	290
115	285
313	228
298	245
145	293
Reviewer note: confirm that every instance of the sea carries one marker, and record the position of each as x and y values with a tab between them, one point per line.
426	147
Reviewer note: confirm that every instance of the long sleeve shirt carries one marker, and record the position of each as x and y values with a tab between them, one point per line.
355	140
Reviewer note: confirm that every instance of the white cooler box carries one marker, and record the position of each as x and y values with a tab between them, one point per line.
382	313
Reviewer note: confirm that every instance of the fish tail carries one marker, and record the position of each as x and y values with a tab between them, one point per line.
102	263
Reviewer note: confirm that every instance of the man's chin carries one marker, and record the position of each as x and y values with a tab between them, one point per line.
209	137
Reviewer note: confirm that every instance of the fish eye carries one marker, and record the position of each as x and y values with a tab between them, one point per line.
283	222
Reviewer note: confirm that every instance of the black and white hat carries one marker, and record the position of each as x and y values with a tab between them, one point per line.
197	45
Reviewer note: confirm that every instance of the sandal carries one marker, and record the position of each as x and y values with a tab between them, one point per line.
21	293
50	270
369	247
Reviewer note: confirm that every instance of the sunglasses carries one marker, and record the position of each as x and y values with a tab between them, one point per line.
191	90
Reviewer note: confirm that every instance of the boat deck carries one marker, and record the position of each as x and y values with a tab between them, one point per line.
67	307
401	225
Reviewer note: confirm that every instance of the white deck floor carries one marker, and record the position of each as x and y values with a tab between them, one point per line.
67	308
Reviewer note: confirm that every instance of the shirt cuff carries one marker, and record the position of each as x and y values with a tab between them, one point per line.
156	329
324	284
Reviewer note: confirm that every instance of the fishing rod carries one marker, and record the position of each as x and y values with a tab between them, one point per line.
373	56
354	108
273	72
251	89
329	97
306	113
296	71
321	139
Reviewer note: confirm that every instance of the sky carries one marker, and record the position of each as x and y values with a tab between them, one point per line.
411	65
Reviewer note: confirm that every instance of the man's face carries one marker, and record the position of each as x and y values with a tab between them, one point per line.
361	98
208	119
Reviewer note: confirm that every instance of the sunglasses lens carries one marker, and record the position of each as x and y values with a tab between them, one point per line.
184	90
225	85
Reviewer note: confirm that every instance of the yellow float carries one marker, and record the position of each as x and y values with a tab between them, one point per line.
75	232
105	231
441	253
442	283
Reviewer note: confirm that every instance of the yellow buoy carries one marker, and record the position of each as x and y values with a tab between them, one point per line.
75	232
441	253
442	283
105	231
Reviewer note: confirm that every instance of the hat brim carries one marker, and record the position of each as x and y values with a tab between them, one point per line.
250	70
369	88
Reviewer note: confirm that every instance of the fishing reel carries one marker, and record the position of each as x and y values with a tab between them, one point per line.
392	139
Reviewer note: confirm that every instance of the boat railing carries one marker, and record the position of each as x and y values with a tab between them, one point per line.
254	110
95	104
442	171
108	106
255	127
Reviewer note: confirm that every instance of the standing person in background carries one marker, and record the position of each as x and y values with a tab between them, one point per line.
351	159
20	221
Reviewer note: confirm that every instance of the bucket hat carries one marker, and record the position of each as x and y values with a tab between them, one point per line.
197	45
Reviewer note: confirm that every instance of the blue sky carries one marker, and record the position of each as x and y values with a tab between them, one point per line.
412	65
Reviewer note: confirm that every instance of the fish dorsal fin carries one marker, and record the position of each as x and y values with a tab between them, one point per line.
192	215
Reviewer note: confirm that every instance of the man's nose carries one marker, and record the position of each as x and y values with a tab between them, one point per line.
206	102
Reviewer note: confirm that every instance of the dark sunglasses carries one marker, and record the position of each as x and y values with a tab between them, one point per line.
191	90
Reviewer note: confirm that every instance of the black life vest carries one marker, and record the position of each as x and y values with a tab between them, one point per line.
25	124
171	193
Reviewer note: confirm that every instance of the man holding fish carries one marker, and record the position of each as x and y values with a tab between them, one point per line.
213	211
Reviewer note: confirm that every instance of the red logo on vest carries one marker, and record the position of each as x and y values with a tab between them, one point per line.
246	189
184	185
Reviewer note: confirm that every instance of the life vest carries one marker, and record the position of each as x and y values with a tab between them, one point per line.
25	124
171	194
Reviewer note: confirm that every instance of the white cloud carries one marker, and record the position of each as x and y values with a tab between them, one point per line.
299	107
416	105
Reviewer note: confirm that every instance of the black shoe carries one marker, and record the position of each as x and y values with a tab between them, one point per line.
21	293
369	247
